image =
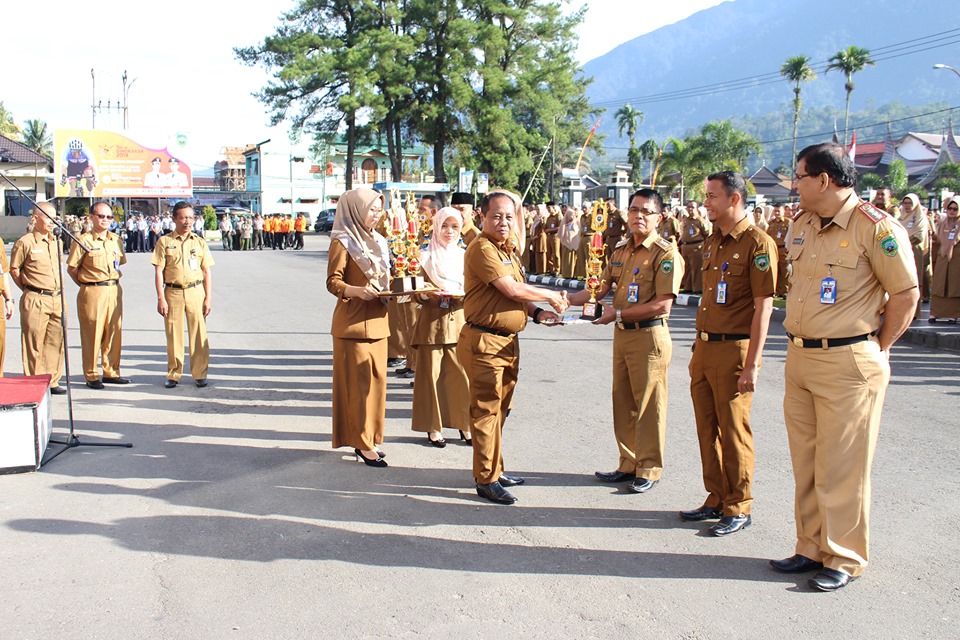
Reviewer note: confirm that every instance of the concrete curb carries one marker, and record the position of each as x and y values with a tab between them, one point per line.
928	336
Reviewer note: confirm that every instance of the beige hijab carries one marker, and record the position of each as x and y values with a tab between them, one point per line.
946	226
570	230
443	263
367	247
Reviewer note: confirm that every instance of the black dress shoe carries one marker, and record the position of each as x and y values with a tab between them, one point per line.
510	481
396	362
57	391
170	384
730	524
829	580
701	513
202	382
439	443
117	380
494	492
615	476
796	564
379	462
409	374
94	384
401	372
641	485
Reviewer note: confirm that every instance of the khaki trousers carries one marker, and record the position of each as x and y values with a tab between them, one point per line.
99	311
553	254
3	341
491	363
396	345
693	261
406	323
41	338
189	303
641	358
583	256
568	262
783	280
723	424
540	262
831	405
359	392
441	391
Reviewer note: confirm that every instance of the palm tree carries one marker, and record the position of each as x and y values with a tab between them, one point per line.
651	151
627	119
8	127
684	158
37	137
796	70
850	61
725	147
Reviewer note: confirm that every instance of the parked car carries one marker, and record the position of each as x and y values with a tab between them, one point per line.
324	221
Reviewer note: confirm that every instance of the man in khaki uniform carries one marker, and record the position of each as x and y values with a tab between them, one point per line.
693	232
496	305
778	229
669	227
586	239
35	268
647	272
850	262
100	299
614	231
882	200
7	304
184	287
551	228
739	278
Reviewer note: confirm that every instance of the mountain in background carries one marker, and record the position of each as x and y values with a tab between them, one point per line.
747	38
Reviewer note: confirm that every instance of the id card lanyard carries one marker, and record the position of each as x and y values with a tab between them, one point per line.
722	285
828	288
633	289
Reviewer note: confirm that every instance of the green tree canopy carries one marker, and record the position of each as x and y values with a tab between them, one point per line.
797	70
8	127
849	61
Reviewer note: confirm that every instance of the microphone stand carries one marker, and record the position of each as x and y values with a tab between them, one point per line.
72	440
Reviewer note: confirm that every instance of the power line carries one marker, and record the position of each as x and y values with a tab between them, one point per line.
887	52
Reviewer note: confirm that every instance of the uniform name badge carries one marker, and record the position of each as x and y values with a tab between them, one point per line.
444	302
116	265
693	231
828	291
633	292
721	292
910	224
952	235
194	264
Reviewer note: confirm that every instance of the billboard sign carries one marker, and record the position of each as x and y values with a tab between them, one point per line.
105	164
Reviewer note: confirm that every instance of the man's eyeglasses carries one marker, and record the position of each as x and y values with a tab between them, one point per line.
952	208
800	176
106	217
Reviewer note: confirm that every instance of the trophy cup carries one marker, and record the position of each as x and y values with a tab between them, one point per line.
406	247
598	222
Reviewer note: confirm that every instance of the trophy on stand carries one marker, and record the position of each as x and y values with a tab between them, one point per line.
406	248
598	222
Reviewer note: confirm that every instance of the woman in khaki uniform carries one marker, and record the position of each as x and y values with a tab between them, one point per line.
358	268
441	391
569	242
7	304
914	219
945	290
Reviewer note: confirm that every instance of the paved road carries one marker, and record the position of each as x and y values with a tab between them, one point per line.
233	518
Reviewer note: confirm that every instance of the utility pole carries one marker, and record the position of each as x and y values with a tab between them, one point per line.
93	100
126	93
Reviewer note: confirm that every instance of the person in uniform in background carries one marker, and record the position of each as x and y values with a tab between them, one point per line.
569	241
614	231
441	391
883	201
551	228
539	240
778	229
739	278
914	220
496	305
268	226
358	269
759	217
184	284
945	286
647	271
850	263
299	226
226	232
669	228
100	299
35	269
692	234
526	256
258	224
463	202
8	302
586	239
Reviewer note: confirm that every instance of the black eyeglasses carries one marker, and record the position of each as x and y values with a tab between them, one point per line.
800	176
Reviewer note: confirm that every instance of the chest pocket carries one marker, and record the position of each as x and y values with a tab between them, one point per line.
794	251
842	266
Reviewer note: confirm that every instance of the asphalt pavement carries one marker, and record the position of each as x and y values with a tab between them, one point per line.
232	516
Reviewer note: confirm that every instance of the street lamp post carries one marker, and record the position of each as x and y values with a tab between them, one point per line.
946	66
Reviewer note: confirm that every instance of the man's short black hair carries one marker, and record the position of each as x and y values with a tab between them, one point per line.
104	203
832	160
490	197
180	206
651	195
732	182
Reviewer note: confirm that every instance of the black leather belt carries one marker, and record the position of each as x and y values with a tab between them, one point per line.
826	343
182	286
43	292
693	242
722	337
643	324
496	332
105	283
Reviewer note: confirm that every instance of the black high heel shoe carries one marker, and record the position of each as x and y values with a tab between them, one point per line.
379	462
465	438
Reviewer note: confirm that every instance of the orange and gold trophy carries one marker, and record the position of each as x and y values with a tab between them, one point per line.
598	222
406	248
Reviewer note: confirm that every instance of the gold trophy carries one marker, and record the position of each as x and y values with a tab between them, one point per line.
406	248
598	222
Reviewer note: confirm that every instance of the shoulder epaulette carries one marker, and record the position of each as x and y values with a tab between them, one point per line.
663	243
622	243
873	213
799	213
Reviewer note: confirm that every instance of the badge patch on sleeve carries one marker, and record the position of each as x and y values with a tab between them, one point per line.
666	266
761	261
888	244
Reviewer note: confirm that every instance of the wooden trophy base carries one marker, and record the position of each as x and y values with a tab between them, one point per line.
591	311
407	284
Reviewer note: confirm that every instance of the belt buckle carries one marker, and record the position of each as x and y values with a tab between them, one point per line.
705	336
798	342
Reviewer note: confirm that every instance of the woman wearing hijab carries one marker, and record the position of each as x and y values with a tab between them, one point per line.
569	242
441	392
914	219
945	289
358	268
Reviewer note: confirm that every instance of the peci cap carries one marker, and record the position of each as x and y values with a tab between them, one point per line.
460	197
